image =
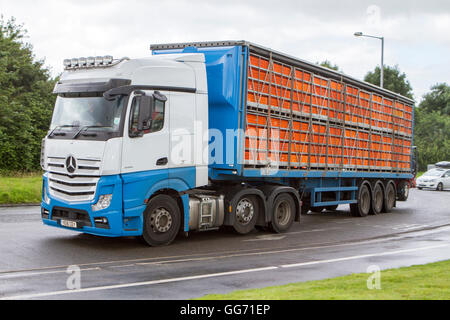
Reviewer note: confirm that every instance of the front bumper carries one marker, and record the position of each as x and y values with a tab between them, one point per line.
427	185
109	222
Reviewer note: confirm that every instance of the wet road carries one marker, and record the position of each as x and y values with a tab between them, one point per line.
34	258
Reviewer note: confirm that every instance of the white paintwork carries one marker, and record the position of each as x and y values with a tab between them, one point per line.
162	70
141	153
184	114
112	158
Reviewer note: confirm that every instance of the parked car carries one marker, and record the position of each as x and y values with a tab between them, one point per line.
437	178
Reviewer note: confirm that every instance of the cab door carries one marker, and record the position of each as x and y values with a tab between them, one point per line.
145	155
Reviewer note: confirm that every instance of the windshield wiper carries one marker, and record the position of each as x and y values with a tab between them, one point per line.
86	128
59	127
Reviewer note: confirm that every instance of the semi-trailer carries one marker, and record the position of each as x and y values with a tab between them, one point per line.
210	134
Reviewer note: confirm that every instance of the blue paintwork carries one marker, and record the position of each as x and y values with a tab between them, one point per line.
106	185
328	174
129	192
225	66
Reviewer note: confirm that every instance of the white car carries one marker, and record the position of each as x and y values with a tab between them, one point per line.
437	178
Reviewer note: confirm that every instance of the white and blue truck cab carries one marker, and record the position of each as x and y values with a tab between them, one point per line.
153	147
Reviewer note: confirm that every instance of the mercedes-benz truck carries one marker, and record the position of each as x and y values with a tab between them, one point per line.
202	135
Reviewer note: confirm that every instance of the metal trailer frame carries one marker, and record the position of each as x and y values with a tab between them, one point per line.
313	179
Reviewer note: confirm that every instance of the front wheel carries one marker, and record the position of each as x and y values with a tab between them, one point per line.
440	187
161	221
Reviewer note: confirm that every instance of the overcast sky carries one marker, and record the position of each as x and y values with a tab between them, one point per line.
417	33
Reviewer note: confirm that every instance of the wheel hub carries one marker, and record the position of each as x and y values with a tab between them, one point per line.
161	220
244	211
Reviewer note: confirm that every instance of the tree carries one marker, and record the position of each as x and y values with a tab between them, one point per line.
394	80
432	137
327	64
26	100
437	100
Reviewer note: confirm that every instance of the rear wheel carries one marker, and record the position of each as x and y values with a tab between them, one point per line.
161	221
362	207
377	199
283	213
389	198
246	214
403	191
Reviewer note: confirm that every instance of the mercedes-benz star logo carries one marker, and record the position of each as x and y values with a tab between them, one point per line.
71	164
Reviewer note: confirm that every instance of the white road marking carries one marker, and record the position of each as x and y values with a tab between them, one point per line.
137	284
266	238
203	276
363	256
30	274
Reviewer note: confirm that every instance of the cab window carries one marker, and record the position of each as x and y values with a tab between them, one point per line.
157	117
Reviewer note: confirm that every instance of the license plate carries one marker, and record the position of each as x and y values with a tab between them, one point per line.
69	224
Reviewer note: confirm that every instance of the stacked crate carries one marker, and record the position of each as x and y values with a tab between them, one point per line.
297	119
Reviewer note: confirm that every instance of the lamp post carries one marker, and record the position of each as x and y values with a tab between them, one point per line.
360	34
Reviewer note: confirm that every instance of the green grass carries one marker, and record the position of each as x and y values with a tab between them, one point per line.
21	188
431	281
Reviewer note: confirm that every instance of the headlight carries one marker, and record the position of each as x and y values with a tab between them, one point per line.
46	198
103	202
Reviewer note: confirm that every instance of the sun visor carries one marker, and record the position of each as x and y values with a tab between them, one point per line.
86	87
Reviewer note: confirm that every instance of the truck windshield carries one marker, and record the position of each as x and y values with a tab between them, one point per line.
91	113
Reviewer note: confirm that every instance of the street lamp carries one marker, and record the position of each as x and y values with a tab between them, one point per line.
360	34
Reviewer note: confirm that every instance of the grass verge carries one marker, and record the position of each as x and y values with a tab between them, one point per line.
424	282
21	188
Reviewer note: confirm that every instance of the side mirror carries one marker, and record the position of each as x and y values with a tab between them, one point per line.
145	112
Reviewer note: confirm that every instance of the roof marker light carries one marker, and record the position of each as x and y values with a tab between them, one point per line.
82	62
90	61
98	61
107	60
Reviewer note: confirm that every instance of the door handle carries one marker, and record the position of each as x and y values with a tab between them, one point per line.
162	162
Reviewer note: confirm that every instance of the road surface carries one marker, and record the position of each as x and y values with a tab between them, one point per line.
40	262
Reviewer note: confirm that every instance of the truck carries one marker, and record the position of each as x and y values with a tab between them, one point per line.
201	135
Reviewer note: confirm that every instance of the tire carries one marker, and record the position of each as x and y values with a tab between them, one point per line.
331	208
162	221
420	188
362	207
317	209
440	187
283	213
403	191
377	199
389	198
246	214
